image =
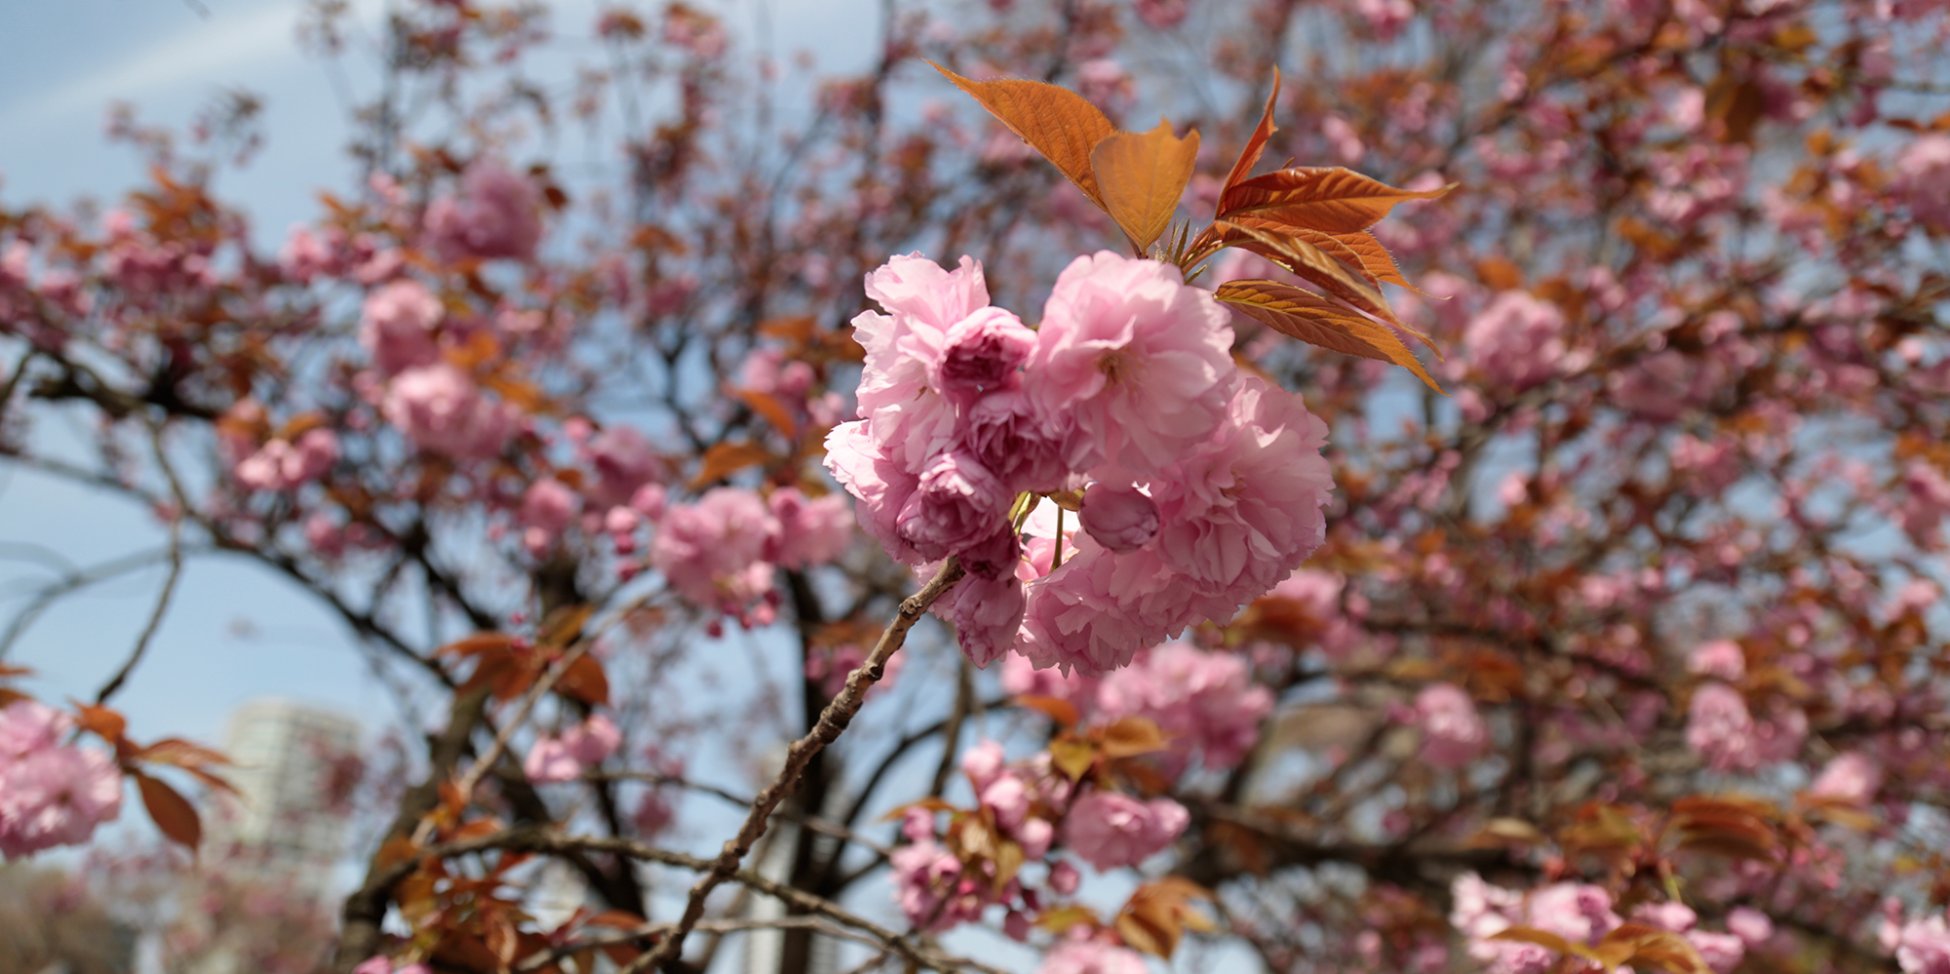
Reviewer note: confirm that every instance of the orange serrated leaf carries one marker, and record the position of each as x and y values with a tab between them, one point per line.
171	812
300	424
1317	321
931	804
1140	177
1548	941
615	920
1055	708
1256	144
1059	920
724	459
182	753
1155	917
1008	861
479	644
585	681
771	407
1331	199
1663	949
1072	757
564	625
1144	933
1318	267
1055	121
103	722
1131	736
521	393
1376	262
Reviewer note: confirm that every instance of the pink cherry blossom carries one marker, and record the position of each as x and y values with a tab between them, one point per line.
1453	733
27	726
812	530
1108	830
1752	926
1242	512
1092	957
1517	340
397	326
956	503
283	465
1025	448
441	410
1921	170
1852	778
1923	946
497	213
1120	518
1098	609
1721	659
987	614
624	462
904	348
1162	14
1720	729
547	509
1576	912
565	757
983	763
384	965
929	886
881	487
1722	951
51	793
712	551
1205	702
982	353
1141	360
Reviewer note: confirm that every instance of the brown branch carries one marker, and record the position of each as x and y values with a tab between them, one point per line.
832	722
555	843
365	909
471	778
175	557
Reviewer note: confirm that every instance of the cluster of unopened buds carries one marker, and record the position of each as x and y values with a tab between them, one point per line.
1197	487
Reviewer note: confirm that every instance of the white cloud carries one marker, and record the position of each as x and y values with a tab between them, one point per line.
228	46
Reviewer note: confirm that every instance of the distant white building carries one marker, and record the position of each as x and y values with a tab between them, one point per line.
285	758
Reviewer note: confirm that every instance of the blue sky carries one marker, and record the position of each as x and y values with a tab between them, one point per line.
67	63
234	633
170	58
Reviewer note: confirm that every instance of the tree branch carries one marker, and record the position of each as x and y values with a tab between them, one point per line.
832	722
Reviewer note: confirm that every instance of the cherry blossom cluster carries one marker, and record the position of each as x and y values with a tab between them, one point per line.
565	756
1921	945
943	880
1197	487
1205	702
1721	728
1582	914
52	792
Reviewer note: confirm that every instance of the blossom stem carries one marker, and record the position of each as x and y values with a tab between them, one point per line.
832	722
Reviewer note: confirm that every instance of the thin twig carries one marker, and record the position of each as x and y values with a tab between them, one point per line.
812	823
555	843
46	596
156	614
832	722
175	556
471	779
543	958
